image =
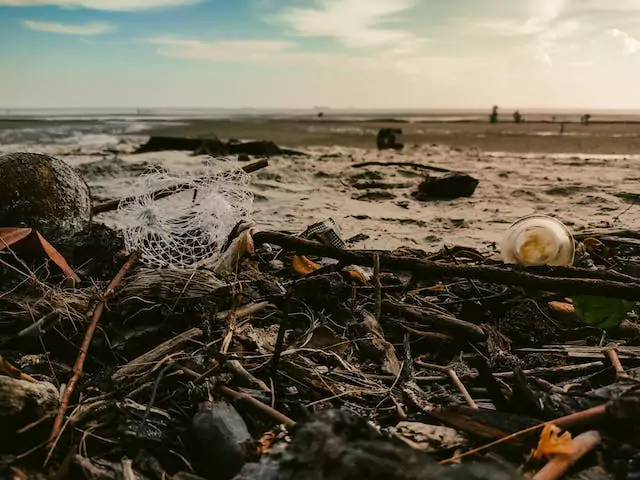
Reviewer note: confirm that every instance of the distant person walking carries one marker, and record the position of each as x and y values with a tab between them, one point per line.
493	118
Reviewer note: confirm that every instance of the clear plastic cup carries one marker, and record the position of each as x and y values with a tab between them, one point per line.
538	240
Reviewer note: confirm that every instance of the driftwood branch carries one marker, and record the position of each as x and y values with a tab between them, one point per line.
448	323
560	464
435	270
84	349
149	359
165	192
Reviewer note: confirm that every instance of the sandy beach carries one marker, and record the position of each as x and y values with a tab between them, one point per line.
586	177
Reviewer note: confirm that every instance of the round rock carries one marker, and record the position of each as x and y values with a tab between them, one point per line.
44	193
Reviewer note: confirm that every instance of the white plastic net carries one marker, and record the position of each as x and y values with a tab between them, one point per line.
189	226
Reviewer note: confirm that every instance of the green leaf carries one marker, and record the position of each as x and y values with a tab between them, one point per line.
601	312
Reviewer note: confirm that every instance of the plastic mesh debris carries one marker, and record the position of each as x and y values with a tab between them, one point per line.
192	225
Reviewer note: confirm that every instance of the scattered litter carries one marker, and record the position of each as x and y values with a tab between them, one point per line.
194	224
194	344
538	240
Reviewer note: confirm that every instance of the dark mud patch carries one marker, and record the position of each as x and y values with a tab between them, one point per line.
269	176
629	197
366	184
368	175
567	190
374	196
113	167
406	221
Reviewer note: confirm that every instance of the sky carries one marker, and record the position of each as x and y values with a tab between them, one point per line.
373	54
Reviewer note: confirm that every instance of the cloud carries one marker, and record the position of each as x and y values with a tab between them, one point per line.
94	28
268	51
115	5
355	23
630	44
605	5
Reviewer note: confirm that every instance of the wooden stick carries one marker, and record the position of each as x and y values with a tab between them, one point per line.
378	285
560	464
165	192
154	355
263	407
84	349
429	269
612	355
461	388
454	378
448	323
575	420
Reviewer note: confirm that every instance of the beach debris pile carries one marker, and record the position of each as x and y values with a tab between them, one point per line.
289	355
214	146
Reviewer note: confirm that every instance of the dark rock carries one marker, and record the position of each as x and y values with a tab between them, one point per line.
338	445
23	403
44	193
220	440
200	146
160	144
262	148
449	186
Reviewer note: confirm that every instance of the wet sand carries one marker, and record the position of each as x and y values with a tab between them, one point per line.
609	135
585	190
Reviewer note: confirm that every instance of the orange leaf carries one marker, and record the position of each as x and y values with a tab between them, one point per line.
357	274
303	266
563	311
11	236
264	444
551	443
11	371
58	259
592	244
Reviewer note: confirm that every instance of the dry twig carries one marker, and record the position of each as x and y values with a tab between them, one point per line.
84	349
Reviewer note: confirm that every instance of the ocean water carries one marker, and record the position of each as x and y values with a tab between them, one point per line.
81	132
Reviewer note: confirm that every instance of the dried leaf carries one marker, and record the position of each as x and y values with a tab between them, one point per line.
12	236
264	444
428	438
240	247
303	266
358	274
376	341
59	260
562	311
551	443
323	338
11	371
592	244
